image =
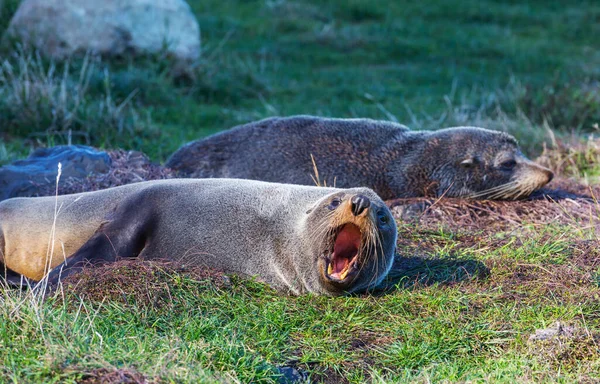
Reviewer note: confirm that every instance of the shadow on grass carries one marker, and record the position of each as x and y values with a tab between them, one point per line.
414	271
559	194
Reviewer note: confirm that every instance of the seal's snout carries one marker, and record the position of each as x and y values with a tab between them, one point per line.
543	175
357	246
359	204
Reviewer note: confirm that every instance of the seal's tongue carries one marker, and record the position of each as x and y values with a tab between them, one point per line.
345	251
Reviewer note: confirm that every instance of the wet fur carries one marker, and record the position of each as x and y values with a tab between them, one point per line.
384	156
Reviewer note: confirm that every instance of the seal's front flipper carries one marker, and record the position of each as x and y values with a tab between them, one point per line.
95	251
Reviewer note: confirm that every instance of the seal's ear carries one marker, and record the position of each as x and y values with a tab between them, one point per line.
468	163
312	207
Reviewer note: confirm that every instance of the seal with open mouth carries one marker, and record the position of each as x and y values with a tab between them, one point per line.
467	162
298	239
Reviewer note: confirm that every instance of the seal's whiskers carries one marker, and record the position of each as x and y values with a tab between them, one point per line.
499	189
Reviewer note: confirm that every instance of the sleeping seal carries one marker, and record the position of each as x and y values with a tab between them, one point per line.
395	162
298	239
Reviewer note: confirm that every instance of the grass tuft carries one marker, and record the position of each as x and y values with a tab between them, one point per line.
576	157
50	102
566	104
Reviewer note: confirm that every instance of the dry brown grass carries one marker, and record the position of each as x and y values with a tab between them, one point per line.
139	282
564	201
113	376
126	167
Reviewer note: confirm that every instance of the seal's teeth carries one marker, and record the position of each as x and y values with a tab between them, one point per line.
344	273
351	266
330	268
353	263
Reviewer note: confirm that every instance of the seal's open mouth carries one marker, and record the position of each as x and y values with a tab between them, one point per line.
343	261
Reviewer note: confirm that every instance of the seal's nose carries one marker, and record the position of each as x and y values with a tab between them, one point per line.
550	175
359	204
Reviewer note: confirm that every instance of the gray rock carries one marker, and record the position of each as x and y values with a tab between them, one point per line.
25	177
60	28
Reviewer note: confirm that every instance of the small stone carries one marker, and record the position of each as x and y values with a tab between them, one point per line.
549	333
291	375
226	280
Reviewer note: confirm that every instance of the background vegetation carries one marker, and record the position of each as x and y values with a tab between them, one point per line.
508	65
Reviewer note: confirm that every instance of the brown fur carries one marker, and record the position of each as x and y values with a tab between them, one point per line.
384	156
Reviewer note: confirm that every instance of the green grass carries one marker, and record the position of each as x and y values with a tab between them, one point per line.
517	63
439	324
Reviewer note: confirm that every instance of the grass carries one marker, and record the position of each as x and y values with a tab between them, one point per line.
577	157
446	321
465	299
58	98
520	65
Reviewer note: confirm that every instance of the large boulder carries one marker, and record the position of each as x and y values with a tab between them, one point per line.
61	28
38	172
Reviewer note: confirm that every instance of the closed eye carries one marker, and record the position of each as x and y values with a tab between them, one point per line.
508	164
334	204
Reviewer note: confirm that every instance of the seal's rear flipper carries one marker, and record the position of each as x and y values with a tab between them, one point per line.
124	235
13	279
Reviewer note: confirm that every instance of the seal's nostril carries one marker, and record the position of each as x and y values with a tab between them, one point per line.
359	204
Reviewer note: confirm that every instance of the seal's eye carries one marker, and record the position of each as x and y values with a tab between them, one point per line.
334	203
383	218
508	164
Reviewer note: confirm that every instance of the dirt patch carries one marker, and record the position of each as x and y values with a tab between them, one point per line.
145	283
331	376
113	376
522	282
364	340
